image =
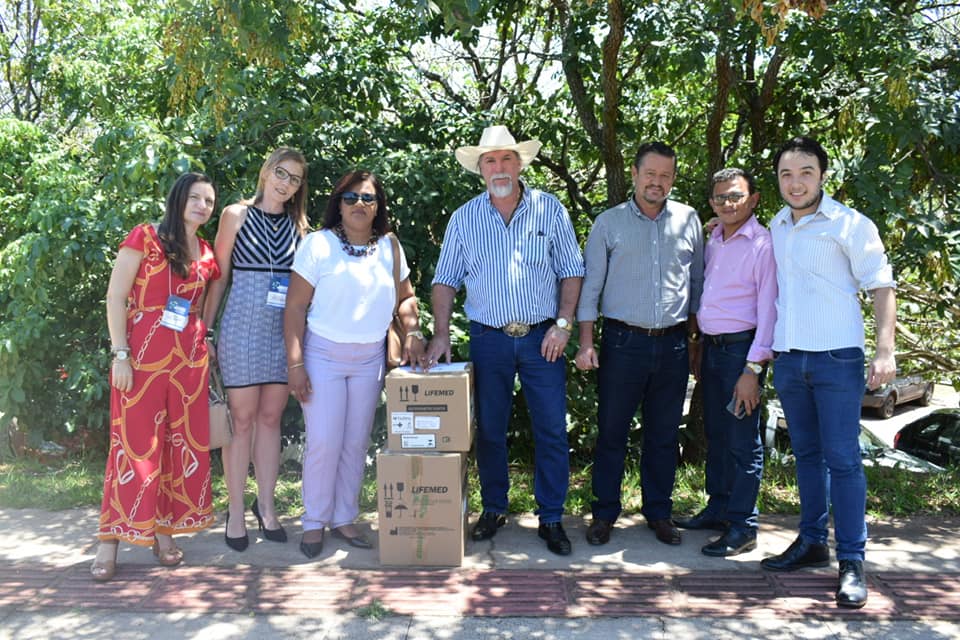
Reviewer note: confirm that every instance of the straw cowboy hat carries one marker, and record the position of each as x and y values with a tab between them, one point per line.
496	138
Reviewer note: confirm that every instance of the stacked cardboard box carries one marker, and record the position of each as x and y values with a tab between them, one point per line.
421	476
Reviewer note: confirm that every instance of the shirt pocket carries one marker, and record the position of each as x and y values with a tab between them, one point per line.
536	249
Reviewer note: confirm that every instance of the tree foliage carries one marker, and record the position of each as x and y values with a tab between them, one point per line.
104	106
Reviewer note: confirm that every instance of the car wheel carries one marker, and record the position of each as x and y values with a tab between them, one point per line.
927	395
886	409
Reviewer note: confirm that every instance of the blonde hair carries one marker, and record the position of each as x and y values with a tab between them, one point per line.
295	207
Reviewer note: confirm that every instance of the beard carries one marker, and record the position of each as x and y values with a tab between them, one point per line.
501	191
809	204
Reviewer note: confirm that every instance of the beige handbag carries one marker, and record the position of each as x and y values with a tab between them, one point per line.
396	333
221	426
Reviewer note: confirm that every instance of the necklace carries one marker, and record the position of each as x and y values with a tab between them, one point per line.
273	219
367	250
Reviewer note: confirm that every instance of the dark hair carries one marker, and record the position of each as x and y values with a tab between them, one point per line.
172	231
659	148
295	207
732	173
802	144
331	217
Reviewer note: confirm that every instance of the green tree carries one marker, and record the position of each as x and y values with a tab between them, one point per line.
105	107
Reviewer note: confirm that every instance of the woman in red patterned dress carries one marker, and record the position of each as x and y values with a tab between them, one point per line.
157	479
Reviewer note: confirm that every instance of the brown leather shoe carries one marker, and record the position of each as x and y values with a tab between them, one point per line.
666	531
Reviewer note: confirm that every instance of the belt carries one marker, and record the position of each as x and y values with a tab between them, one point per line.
730	338
517	329
643	330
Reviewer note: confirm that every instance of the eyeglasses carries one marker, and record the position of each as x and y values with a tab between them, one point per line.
283	174
352	197
732	198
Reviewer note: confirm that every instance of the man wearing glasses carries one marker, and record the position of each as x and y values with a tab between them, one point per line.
737	315
515	250
645	273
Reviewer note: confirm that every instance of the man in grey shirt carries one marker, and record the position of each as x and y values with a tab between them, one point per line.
644	272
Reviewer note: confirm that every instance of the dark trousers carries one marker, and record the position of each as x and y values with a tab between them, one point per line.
821	392
497	360
649	372
734	464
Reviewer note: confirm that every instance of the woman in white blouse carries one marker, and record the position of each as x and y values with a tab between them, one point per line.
340	303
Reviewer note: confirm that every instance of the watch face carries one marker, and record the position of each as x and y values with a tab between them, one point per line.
121	355
562	323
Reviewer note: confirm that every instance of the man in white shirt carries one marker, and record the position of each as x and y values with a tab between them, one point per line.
826	253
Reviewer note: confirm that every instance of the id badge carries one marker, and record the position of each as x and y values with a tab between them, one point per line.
277	295
176	313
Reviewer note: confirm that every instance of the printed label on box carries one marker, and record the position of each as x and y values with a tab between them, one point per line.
419	441
431	423
401	422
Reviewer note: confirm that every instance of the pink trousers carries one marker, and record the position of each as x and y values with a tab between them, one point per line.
346	381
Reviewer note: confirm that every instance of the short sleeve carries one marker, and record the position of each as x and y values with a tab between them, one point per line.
136	239
310	254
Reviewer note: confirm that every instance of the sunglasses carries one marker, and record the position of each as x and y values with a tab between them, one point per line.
732	198
283	174
352	198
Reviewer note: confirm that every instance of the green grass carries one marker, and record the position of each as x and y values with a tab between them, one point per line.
26	483
891	492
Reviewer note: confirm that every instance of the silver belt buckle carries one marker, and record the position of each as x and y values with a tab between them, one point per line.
516	329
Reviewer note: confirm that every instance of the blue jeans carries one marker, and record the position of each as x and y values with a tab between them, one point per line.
734	464
821	394
651	373
497	360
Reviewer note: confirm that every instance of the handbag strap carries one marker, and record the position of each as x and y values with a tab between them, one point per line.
216	383
395	244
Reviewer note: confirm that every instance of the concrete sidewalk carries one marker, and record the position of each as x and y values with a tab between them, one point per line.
509	587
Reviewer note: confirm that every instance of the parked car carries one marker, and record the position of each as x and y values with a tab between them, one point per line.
934	437
902	389
872	449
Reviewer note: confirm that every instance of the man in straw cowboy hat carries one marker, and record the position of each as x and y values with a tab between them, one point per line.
515	250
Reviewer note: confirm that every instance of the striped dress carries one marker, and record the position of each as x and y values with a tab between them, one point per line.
250	347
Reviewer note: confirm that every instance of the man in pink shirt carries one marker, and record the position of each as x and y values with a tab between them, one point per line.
737	316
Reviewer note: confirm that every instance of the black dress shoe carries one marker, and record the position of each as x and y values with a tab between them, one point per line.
240	543
731	543
799	555
359	541
852	592
599	531
556	537
666	531
312	549
273	535
703	520
487	525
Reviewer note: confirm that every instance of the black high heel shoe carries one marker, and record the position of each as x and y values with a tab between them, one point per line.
239	543
273	535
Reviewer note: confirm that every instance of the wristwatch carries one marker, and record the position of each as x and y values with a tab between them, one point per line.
754	368
121	354
417	334
694	336
563	324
